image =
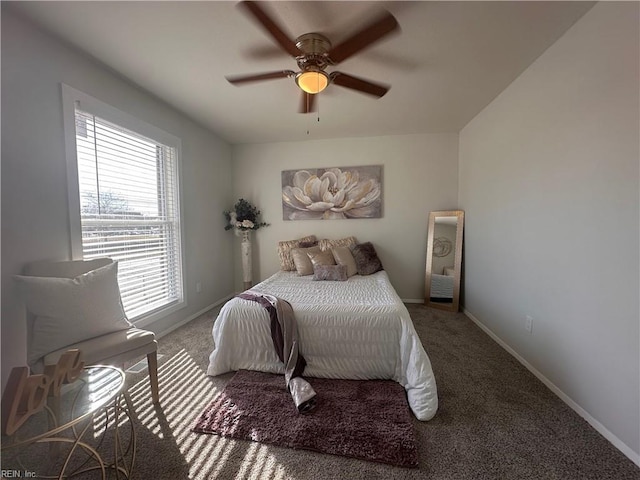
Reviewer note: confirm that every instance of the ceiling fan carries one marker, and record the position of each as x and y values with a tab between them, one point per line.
314	52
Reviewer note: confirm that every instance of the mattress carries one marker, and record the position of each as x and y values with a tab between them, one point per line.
358	329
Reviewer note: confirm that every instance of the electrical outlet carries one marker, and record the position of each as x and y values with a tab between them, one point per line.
528	324
198	287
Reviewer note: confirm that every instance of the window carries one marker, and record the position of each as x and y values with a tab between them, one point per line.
127	201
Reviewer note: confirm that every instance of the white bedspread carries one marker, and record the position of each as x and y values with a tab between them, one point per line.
358	329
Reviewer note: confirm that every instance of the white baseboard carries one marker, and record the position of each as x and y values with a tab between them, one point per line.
615	441
412	300
192	317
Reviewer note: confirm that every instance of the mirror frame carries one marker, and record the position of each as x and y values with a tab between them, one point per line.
455	304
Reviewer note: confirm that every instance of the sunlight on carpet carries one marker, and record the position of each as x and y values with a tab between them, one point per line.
185	390
256	459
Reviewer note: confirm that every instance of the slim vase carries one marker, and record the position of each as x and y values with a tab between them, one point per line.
246	258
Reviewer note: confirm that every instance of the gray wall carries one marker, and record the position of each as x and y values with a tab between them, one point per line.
419	175
35	220
549	182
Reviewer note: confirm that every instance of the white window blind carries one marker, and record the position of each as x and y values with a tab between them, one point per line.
129	207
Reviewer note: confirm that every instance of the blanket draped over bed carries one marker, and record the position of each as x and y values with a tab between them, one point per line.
358	330
284	334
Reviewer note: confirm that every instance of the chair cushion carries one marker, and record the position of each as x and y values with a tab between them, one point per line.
100	349
68	311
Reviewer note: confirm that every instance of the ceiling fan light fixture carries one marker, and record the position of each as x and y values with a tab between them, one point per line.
312	81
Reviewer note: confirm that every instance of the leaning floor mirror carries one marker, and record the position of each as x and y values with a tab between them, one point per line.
444	260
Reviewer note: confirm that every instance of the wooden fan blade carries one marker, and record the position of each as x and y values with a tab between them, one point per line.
307	103
272	28
260	76
365	37
359	84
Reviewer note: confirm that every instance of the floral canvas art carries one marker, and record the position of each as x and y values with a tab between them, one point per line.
332	193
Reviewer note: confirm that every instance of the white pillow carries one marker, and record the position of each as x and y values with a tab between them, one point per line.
71	310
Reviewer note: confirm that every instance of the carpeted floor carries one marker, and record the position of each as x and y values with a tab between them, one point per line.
495	420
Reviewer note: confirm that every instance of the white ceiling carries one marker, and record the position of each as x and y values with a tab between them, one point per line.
449	60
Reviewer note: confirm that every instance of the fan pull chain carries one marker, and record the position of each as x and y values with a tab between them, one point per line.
308	109
317	102
308	100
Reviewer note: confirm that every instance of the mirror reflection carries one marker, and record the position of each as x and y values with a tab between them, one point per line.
444	259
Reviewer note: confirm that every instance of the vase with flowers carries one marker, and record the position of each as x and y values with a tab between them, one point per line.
242	219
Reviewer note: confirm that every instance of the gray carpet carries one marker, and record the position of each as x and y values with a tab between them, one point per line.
495	420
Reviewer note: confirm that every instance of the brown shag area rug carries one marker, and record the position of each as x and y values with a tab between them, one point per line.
369	420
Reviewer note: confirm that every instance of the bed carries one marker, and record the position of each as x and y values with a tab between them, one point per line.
356	329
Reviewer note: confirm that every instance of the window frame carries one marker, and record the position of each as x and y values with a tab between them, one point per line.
72	97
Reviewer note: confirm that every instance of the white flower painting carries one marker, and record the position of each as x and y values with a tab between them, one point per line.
332	193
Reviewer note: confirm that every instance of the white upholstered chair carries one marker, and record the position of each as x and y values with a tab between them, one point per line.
113	348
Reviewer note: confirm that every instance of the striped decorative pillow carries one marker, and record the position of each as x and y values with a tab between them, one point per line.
284	251
327	244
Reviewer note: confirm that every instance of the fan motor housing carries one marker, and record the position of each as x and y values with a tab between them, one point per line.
313	43
314	48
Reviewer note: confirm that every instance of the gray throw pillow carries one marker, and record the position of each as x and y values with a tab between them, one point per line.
330	272
366	258
308	244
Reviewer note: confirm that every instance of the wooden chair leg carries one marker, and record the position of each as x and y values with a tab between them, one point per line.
152	362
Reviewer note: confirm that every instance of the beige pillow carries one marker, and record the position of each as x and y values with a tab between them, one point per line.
321	258
326	244
284	251
302	261
343	256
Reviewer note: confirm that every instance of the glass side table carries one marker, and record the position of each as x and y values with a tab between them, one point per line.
87	431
